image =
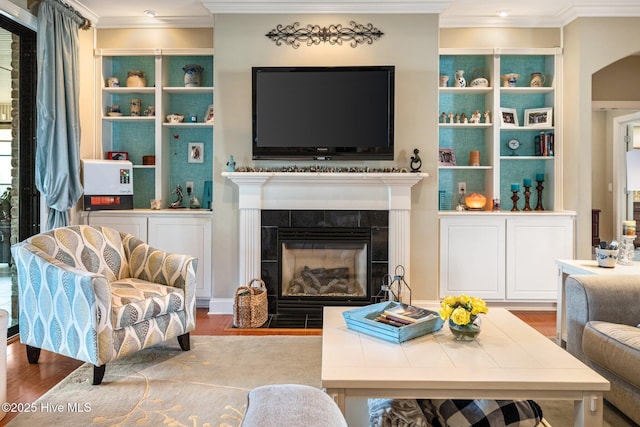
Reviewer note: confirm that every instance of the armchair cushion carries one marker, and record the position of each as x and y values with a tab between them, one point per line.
96	250
135	300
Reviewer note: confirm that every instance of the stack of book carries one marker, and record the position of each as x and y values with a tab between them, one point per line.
403	315
544	144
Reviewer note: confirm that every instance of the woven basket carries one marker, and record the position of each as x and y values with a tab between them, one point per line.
250	308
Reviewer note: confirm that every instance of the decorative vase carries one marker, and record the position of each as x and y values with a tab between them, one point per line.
192	75
136	78
460	81
467	332
537	80
444	79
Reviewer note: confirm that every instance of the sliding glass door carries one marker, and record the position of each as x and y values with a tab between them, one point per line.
19	200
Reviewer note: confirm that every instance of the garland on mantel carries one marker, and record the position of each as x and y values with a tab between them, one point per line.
322	169
333	34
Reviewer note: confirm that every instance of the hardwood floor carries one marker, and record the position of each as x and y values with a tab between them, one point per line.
26	383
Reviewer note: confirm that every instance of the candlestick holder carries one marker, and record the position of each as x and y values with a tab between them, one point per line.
539	187
627	250
515	199
527	195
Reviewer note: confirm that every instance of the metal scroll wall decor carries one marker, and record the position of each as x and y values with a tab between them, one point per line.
355	34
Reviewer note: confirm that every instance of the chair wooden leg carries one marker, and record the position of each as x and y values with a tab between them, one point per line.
184	341
33	354
98	373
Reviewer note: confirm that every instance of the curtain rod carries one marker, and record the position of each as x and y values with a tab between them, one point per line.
85	26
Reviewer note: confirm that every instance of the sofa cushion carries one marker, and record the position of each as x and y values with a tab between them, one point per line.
614	347
135	300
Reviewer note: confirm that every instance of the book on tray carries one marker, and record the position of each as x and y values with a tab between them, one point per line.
403	314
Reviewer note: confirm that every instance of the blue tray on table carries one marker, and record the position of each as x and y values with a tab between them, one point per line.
363	320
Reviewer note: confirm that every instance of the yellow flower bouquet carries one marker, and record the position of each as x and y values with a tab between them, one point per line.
462	312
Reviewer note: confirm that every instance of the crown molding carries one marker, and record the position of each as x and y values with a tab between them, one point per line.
315	6
157	22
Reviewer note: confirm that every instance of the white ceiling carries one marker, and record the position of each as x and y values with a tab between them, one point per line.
453	13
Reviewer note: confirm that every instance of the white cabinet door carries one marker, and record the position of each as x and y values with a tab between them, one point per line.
186	235
472	257
130	224
533	246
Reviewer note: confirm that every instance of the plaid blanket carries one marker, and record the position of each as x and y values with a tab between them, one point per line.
453	413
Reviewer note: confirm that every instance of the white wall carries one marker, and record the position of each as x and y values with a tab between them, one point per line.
589	45
410	42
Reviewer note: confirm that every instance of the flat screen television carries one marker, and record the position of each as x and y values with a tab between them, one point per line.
323	113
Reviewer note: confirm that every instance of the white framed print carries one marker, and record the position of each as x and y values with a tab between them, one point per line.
196	152
509	117
537	117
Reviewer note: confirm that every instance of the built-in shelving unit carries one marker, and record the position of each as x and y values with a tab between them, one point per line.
147	135
502	255
500	166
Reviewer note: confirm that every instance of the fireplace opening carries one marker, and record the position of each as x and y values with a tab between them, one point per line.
323	266
312	259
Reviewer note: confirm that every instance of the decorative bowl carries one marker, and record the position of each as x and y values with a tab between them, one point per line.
607	258
175	118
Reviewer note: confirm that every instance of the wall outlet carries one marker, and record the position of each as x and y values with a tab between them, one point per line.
462	187
189	187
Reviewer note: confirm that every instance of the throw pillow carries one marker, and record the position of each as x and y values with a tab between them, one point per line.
481	413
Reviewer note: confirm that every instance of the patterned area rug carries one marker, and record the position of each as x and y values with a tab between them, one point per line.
206	386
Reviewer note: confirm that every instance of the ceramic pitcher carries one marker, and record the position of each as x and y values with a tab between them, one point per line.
537	80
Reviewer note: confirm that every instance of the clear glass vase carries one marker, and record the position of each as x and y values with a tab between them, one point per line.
467	332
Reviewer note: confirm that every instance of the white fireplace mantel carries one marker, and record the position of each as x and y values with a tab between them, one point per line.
322	191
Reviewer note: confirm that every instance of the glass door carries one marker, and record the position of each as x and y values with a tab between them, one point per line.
19	200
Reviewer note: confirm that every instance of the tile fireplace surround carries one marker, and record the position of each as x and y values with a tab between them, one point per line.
322	191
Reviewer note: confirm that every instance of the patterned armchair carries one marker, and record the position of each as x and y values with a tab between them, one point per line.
95	294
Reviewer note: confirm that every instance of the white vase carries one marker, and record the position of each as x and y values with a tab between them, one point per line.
459	80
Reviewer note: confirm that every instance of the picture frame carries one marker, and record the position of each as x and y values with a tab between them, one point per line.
117	155
196	152
208	116
538	117
446	157
509	117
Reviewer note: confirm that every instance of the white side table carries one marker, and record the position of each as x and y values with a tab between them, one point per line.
567	267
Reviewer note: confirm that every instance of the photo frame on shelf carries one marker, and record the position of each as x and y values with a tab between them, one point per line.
538	117
509	117
196	152
208	116
446	157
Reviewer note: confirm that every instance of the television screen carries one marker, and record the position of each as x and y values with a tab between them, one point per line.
323	113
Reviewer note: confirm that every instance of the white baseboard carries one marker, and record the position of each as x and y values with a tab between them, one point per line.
221	306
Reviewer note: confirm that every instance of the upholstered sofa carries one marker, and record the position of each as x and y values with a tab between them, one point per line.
603	315
96	295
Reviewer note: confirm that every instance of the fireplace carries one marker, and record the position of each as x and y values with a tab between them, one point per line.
311	259
315	197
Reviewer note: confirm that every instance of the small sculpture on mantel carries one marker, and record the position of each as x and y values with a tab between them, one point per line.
178	203
416	161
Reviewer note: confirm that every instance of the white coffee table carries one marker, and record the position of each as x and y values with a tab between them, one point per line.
509	360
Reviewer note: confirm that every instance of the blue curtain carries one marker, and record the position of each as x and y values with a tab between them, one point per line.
58	123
